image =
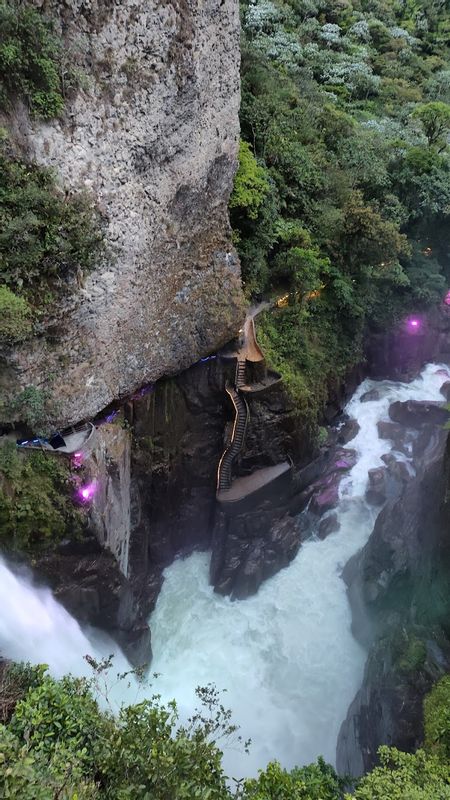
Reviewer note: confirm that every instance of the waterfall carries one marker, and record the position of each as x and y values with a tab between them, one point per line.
286	657
34	627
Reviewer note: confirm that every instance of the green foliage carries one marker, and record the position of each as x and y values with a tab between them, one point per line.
36	507
15	312
61	715
25	775
314	782
435	119
304	269
31	59
250	185
57	733
334	101
409	652
437	720
15	681
46	239
30	407
58	743
402	776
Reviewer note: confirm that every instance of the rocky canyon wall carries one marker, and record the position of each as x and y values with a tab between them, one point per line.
152	136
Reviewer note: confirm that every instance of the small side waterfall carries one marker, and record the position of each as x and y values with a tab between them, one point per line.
35	627
286	656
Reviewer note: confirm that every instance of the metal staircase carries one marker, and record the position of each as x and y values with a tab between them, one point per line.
237	436
240	373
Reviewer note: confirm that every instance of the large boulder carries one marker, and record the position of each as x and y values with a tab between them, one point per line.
248	549
377	490
415	413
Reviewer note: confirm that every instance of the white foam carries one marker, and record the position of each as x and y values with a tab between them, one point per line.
286	656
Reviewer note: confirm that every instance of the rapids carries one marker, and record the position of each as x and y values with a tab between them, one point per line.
286	657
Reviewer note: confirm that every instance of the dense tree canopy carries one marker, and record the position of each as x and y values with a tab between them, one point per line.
346	109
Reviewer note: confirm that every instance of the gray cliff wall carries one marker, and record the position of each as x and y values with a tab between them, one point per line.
153	137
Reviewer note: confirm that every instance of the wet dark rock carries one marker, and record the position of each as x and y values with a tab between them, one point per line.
326	494
415	413
304	477
239	564
348	431
445	390
398	588
343	459
395	433
401	669
372	394
377	490
397	469
91	587
327	525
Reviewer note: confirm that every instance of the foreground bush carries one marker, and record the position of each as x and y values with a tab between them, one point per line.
58	743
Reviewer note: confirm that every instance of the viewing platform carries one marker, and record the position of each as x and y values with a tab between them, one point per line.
250	484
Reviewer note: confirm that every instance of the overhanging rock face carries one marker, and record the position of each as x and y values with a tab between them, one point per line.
153	137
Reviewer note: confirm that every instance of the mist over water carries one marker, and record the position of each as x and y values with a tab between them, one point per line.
34	627
286	656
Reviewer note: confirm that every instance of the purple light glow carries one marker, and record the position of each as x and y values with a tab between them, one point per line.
413	324
77	460
447	298
86	493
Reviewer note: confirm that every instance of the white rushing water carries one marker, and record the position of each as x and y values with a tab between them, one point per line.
286	656
34	627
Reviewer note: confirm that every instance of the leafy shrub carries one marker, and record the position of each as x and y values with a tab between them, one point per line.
437	719
30	60
45	237
250	185
404	776
36	507
15	681
314	782
29	407
57	714
58	743
15	312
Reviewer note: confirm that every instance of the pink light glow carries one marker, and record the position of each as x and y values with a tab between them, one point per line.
447	298
86	493
77	460
413	324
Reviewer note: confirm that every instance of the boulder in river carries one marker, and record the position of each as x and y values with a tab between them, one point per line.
326	496
367	397
377	490
348	431
415	413
327	525
394	432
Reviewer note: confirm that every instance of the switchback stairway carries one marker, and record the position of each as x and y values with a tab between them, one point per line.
229	490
